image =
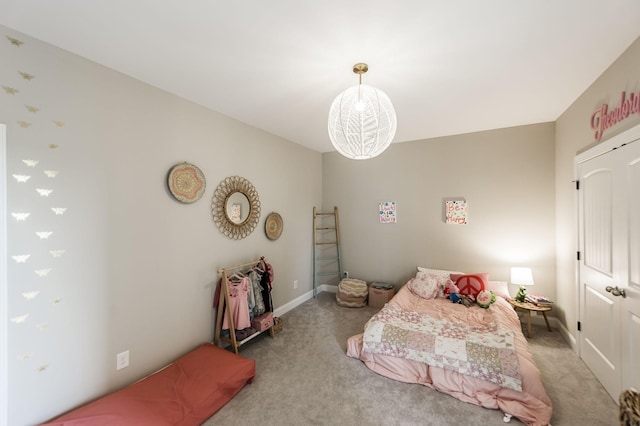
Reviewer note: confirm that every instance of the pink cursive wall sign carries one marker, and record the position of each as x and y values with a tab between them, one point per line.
602	118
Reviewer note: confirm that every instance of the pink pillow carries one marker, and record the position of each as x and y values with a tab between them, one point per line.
424	285
471	284
440	275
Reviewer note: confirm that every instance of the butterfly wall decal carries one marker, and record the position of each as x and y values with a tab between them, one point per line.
26	75
58	123
20	319
44	234
30	295
57	300
43	368
44	192
20	217
53	146
56	253
51	173
21	178
21	258
31	163
10	90
42	272
59	210
32	109
42	326
15	41
24	357
23	124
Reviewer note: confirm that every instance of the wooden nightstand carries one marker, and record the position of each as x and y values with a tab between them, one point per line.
531	307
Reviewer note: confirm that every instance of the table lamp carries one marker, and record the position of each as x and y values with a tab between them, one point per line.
522	277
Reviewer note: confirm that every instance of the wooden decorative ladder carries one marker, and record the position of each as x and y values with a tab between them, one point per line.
327	259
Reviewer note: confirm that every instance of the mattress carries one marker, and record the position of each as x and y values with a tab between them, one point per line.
530	404
186	392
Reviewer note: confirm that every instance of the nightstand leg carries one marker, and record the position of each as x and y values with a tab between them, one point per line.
544	314
528	323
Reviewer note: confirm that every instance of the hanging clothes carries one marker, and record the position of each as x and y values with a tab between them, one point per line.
259	307
269	271
267	284
266	294
238	304
251	298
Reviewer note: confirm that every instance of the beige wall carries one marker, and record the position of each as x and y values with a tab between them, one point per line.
573	134
138	269
507	178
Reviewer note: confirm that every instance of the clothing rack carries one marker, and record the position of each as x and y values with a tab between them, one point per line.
224	301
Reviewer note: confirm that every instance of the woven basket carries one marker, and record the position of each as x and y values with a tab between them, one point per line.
277	325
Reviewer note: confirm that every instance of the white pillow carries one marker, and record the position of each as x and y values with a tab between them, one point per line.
425	286
439	276
499	288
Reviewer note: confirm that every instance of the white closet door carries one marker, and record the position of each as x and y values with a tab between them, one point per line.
600	267
631	303
609	211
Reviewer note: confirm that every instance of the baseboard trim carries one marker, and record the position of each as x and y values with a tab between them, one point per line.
301	299
568	337
293	304
329	288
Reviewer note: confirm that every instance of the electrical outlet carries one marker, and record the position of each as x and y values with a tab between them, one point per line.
122	360
295	284
345	274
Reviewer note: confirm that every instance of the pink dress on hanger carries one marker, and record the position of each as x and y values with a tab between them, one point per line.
238	304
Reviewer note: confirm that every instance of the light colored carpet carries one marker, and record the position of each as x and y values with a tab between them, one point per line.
303	377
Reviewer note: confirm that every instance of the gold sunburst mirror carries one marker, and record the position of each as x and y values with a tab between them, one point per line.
235	207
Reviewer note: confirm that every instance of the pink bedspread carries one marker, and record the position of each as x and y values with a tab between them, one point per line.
531	405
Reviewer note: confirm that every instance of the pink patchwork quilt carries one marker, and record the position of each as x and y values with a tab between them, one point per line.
476	355
486	351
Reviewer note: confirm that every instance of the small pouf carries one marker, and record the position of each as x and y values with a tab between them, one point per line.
352	293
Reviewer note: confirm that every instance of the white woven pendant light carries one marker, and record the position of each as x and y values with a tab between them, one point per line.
362	120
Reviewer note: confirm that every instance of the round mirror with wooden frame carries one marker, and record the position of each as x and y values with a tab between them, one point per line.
235	207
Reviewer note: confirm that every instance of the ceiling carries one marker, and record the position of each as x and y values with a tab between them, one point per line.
449	66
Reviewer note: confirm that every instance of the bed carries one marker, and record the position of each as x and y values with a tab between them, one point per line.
476	355
186	392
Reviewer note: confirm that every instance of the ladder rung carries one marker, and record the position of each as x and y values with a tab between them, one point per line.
328	273
325	228
322	244
328	258
325	214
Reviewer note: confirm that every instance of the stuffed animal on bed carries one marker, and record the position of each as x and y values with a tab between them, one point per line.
485	298
454	295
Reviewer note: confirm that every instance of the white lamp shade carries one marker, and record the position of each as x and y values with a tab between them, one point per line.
362	127
521	276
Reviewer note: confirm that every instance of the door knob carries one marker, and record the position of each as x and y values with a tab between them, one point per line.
616	291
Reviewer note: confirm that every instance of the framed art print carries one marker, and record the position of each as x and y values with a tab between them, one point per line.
387	212
455	211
